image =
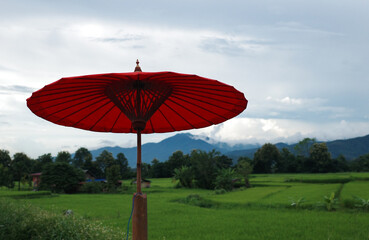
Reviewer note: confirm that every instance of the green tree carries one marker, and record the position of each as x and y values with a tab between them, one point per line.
64	157
177	160
145	170
61	177
266	159
340	164
288	162
223	161
303	147
41	161
94	168
113	176
184	175
244	169
105	160
125	170
6	177
204	168
321	158
224	179
5	159
81	156
21	167
360	164
159	169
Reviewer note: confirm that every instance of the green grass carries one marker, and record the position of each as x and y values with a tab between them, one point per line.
312	193
246	196
256	213
357	188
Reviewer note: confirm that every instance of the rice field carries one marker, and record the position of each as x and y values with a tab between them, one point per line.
261	212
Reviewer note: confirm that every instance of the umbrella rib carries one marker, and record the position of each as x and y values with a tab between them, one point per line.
74	106
80	110
179	115
192	111
166	119
116	120
198	107
106	113
156	94
70	100
152	126
208	97
191	87
96	109
51	106
213	92
66	90
92	93
214	105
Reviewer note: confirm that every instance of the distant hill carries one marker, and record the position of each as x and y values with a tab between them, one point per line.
350	148
186	142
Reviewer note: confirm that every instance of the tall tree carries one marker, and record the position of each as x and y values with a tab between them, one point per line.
361	164
204	168
303	147
81	156
113	176
63	156
159	169
223	161
6	177
61	177
321	158
105	160
288	162
5	159
244	169
177	160
42	161
125	170
21	167
266	159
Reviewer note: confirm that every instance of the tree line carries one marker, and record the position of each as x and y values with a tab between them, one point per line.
201	169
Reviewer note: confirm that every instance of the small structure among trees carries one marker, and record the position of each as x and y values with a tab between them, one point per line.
36	180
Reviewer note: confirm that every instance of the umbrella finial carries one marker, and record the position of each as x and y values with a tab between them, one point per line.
138	68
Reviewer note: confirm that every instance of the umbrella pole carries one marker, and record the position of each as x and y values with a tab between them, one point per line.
139	220
138	180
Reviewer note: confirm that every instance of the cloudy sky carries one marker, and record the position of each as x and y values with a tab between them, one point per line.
303	65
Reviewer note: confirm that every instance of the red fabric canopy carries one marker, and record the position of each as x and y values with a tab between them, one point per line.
154	101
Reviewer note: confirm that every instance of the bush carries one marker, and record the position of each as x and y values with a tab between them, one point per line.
92	187
184	175
220	191
224	180
196	200
24	221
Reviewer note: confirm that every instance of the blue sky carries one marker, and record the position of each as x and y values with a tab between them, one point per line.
301	64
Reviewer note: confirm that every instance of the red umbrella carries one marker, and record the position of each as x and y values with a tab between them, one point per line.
137	102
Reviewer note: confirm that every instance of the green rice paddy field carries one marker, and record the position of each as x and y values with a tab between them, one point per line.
261	212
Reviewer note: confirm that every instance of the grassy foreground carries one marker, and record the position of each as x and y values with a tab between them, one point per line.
262	212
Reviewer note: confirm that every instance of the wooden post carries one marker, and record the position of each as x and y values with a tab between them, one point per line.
139	220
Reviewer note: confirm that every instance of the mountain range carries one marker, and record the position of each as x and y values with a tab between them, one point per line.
186	142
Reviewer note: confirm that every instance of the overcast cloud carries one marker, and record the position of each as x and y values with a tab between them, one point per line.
301	64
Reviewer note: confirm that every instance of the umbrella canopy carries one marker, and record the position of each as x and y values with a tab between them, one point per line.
124	102
138	102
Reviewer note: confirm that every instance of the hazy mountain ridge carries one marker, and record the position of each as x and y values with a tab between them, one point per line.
186	142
